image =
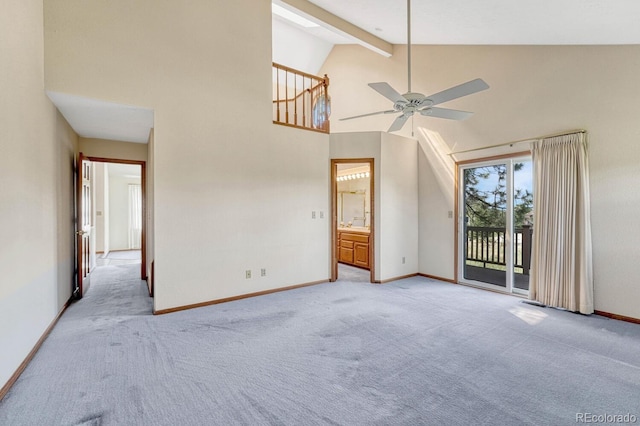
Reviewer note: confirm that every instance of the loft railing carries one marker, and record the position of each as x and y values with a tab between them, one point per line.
300	100
487	246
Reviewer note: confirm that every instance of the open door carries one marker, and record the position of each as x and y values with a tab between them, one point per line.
83	225
352	218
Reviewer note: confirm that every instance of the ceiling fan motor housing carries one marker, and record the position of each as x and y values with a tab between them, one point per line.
413	102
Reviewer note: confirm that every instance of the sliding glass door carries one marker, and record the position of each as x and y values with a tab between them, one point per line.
496	207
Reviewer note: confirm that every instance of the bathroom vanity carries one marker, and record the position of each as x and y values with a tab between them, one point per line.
353	246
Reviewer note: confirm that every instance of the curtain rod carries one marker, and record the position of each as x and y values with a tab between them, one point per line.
519	141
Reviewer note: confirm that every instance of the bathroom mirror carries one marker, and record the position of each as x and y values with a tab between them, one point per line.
353	198
352	208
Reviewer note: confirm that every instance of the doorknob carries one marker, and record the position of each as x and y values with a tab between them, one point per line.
81	233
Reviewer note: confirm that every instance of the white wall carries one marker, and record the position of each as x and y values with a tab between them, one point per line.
119	210
535	90
436	200
37	150
103	148
223	175
395	197
398	232
298	49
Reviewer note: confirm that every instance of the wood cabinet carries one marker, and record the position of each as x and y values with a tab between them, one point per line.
353	247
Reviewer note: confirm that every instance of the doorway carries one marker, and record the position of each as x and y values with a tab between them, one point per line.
117	214
352	224
495	223
111	211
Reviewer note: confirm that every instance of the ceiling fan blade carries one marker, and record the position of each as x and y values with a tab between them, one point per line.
388	92
459	91
389	111
398	123
451	114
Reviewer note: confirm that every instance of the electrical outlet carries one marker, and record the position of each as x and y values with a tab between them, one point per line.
403	260
263	272
313	214
450	214
248	273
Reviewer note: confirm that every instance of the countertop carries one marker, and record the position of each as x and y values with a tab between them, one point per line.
360	229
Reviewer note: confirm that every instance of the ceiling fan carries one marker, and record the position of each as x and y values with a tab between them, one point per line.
412	102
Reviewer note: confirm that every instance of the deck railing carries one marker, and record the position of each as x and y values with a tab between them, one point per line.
300	99
487	246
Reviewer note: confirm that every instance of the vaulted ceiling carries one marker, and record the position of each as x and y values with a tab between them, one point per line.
472	22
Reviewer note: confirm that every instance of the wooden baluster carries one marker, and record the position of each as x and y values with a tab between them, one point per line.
277	94
304	104
286	96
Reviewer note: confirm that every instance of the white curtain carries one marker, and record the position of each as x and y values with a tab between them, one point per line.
561	259
135	216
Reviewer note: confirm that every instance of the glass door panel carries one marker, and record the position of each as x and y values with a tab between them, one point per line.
496	200
485	224
522	223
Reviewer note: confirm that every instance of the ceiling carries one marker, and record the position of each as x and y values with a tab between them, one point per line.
473	22
129	171
93	118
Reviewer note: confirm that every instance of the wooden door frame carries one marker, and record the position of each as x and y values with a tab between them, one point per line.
143	184
334	215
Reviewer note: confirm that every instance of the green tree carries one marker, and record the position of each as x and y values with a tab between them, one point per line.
486	197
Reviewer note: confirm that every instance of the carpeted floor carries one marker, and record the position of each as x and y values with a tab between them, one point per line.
123	257
348	273
411	352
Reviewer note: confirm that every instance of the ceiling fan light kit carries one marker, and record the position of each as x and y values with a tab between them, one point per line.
412	102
